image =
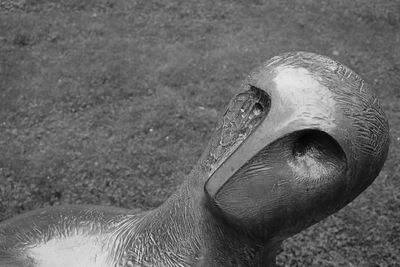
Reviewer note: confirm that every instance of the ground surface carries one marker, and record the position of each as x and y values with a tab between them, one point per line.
112	102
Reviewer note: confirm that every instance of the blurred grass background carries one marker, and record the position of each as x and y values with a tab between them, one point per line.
111	102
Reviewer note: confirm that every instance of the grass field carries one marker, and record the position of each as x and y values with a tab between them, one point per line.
111	102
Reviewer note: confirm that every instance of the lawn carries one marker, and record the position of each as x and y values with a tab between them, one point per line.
111	102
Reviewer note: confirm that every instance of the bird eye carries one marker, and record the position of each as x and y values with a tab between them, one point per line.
257	109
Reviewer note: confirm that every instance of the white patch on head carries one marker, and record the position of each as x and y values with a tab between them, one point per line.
294	78
71	251
302	90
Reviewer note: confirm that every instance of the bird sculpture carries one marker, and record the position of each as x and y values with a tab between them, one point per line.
303	138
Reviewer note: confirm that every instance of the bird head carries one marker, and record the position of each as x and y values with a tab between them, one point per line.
302	139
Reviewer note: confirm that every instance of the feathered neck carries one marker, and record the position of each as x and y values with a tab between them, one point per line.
185	231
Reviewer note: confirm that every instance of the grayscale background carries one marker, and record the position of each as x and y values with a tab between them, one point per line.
112	102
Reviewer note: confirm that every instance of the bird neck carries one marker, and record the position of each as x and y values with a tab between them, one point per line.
185	231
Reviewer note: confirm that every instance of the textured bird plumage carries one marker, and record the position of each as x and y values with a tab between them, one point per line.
304	137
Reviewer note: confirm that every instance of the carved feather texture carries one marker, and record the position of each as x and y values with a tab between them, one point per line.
244	112
291	183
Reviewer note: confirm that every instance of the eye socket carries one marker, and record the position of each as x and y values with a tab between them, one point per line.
263	103
257	109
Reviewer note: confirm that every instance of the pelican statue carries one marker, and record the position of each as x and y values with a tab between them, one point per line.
303	138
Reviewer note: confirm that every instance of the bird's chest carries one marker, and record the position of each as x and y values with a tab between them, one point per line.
71	251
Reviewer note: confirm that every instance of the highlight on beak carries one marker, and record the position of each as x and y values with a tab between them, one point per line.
303	139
